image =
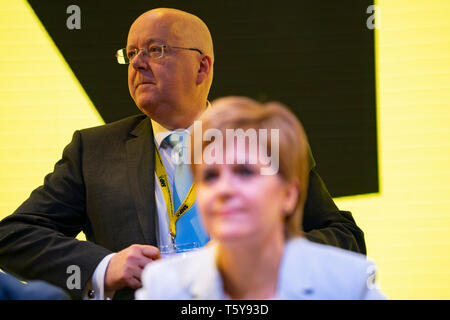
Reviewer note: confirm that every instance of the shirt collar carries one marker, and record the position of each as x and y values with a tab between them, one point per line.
160	133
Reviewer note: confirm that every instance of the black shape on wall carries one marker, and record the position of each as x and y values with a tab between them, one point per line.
315	57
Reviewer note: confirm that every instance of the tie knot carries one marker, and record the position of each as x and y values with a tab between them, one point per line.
178	140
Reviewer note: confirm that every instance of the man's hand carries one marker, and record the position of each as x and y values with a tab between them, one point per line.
126	266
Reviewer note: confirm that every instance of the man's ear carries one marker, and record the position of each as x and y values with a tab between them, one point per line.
204	69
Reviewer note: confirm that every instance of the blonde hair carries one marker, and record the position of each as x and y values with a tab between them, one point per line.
241	112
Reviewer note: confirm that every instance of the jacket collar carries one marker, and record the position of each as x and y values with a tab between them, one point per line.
143	127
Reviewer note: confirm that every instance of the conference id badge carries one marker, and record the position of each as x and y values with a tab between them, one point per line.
191	234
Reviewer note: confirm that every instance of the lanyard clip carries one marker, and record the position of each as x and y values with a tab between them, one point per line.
174	245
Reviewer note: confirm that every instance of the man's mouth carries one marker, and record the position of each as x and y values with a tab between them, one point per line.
143	82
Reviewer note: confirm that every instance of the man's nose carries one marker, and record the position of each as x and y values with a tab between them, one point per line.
139	61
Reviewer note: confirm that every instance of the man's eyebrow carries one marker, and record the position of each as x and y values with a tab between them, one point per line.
147	42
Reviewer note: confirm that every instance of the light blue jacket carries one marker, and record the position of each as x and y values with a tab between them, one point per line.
11	288
308	271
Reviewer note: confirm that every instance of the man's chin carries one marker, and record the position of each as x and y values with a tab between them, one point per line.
158	111
147	106
154	112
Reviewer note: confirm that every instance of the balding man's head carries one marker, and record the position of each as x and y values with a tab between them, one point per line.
184	26
175	87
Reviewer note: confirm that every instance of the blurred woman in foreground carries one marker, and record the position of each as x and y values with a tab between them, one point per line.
252	208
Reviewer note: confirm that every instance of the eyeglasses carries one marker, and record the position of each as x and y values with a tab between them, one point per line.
153	51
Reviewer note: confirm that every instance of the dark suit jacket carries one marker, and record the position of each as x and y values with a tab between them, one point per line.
104	186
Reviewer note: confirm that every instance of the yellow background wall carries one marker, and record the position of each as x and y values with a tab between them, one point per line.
407	225
41	104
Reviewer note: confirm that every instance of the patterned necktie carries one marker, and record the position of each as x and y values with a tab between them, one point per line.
183	177
190	231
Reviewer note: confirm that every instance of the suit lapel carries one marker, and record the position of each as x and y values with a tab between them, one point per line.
141	168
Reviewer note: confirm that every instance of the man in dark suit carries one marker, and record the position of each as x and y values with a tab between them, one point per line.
105	184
